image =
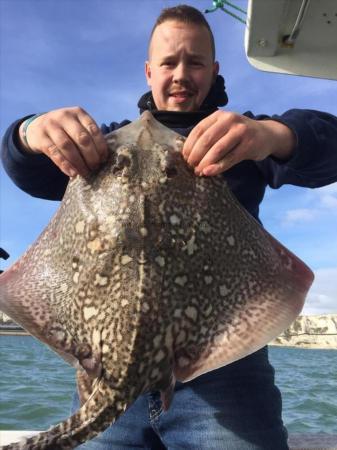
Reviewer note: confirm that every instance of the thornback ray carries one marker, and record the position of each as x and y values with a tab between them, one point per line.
147	274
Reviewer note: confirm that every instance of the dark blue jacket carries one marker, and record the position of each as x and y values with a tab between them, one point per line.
313	164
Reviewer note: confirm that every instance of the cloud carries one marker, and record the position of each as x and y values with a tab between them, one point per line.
299	215
322	297
327	197
330	202
318	205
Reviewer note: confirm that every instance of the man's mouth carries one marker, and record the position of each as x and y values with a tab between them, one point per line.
181	96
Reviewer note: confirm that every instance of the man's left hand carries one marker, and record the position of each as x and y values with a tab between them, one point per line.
223	139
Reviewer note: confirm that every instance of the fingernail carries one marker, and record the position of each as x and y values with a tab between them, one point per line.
208	172
72	173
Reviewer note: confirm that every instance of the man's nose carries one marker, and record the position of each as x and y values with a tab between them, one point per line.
180	72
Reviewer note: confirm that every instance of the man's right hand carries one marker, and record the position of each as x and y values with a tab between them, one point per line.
69	137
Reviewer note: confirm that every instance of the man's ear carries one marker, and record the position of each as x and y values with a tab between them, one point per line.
216	68
148	72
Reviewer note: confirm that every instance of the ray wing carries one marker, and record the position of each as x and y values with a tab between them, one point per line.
30	291
234	286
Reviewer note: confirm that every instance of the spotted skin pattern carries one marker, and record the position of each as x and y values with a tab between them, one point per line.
145	275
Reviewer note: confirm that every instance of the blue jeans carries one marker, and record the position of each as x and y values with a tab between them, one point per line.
237	407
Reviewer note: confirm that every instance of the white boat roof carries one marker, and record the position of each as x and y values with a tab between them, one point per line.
297	37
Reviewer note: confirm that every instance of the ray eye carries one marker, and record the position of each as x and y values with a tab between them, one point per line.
122	161
171	172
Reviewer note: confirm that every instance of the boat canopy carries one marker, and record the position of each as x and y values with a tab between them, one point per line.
297	37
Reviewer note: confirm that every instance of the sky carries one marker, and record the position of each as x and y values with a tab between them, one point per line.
91	53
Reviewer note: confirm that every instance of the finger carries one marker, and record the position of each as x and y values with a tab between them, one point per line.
196	133
84	143
205	142
96	135
221	166
61	145
232	158
51	150
220	149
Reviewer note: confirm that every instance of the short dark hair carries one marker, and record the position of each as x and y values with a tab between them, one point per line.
184	14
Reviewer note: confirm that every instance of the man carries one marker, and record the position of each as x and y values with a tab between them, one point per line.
238	406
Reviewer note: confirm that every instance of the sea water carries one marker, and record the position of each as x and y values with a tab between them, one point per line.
36	386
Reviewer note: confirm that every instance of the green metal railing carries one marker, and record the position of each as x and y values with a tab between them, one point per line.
220	4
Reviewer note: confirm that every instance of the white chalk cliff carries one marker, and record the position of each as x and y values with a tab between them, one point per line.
310	332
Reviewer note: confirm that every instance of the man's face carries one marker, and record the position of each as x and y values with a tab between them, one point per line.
180	70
